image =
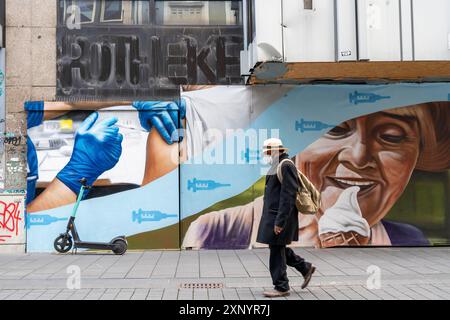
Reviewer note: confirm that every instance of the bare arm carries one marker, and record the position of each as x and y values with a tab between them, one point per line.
161	158
55	195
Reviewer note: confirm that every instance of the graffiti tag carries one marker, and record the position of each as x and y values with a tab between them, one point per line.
14	141
9	218
3	238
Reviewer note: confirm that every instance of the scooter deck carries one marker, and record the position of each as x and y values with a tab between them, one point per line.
93	245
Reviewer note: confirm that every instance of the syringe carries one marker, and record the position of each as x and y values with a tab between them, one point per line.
198	185
357	97
154	215
304	125
41	220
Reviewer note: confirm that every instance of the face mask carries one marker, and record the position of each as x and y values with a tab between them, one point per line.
268	160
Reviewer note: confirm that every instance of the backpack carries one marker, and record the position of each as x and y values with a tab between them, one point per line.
308	197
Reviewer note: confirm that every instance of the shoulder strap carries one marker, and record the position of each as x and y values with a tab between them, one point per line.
279	173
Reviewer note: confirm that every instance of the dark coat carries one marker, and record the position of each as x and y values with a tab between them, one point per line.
279	206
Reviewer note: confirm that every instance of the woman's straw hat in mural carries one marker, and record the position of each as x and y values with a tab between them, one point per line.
273	144
435	137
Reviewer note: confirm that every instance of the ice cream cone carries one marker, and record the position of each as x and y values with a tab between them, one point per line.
343	223
351	238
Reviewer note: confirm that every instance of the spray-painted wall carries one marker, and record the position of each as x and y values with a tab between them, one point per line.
2	118
378	154
12	173
12	223
30	36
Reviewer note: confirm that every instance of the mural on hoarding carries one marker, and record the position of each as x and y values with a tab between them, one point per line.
108	147
146	48
382	165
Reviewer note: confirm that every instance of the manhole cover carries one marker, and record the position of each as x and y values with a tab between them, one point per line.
201	285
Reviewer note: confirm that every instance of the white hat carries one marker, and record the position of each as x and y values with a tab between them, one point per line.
273	144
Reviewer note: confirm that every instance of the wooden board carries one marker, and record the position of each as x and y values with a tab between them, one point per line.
368	72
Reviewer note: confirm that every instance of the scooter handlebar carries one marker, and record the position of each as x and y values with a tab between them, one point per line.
83	182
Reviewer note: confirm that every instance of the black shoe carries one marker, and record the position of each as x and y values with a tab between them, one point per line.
308	276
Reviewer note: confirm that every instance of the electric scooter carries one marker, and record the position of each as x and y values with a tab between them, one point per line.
63	243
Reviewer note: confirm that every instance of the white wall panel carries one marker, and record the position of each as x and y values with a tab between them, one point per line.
406	30
268	29
346	30
382	19
431	29
308	34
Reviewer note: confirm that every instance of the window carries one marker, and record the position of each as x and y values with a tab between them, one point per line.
140	11
251	33
198	12
182	12
236	12
111	11
308	4
86	8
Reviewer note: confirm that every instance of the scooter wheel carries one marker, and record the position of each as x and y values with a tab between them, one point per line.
119	247
63	243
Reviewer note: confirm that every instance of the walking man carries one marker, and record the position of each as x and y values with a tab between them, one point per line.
279	220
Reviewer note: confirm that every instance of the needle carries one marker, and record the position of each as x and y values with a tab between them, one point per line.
129	127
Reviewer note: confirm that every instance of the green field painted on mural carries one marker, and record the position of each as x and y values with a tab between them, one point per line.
170	237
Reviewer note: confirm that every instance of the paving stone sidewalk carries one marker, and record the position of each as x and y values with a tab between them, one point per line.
342	274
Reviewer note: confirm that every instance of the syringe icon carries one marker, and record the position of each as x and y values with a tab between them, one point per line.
249	155
41	220
304	125
198	185
359	97
154	215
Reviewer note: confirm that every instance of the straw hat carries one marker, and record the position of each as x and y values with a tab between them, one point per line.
273	144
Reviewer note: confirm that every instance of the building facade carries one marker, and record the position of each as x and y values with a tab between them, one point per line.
229	73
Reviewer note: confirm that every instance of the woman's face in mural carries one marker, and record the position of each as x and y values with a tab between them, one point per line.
377	152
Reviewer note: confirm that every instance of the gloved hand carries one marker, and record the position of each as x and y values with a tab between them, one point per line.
97	148
164	117
35	113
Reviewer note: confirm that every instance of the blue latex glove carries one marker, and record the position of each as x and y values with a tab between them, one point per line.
164	117
97	148
35	113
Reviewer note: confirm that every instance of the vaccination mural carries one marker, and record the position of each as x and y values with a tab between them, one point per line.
190	173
